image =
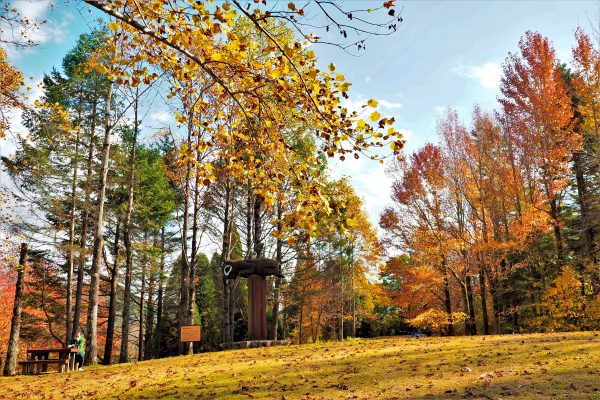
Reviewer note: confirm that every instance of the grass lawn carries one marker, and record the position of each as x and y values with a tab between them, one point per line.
539	366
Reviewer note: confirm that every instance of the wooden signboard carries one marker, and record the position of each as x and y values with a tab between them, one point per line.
189	333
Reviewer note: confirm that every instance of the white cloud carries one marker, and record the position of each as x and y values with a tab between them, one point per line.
42	29
488	75
368	79
390	104
33	10
161	116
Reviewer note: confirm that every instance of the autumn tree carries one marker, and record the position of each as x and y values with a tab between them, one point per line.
536	103
417	221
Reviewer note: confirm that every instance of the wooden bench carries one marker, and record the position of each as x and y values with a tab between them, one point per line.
38	360
28	366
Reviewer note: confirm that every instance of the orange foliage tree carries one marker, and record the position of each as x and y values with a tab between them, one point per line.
537	105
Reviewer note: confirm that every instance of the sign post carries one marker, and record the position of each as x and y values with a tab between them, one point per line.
189	333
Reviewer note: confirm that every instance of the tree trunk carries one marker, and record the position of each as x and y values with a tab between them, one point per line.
587	232
112	306
341	324
126	314
224	255
484	311
148	352
353	303
84	224
195	241
249	207
92	321
15	326
276	298
447	299
495	303
472	323
159	310
557	231
301	318
258	245
71	255
142	300
184	302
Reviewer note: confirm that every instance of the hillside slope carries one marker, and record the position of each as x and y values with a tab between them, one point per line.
540	366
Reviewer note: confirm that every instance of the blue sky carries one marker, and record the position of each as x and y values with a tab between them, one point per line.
444	54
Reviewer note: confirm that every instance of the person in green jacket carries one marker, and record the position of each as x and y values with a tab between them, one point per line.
79	342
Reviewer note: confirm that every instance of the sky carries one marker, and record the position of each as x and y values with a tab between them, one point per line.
444	54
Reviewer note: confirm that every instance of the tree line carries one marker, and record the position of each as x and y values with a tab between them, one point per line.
497	221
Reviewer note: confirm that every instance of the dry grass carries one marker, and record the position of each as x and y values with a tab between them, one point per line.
540	366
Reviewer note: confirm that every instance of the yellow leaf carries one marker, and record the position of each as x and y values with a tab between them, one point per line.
374	116
331	67
350	222
372	103
310	54
113	26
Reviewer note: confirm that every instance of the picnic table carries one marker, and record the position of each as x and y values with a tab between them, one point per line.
39	359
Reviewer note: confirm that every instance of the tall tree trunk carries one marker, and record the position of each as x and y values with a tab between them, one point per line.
15	326
513	167
258	245
484	311
472	323
195	242
72	218
159	307
353	303
148	353
557	230
301	317
71	254
126	314
249	207
463	290
276	298
447	298
184	302
81	261
587	232
92	321
341	324
142	300
224	255
112	305
494	293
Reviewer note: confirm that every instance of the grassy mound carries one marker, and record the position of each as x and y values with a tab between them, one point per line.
540	366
